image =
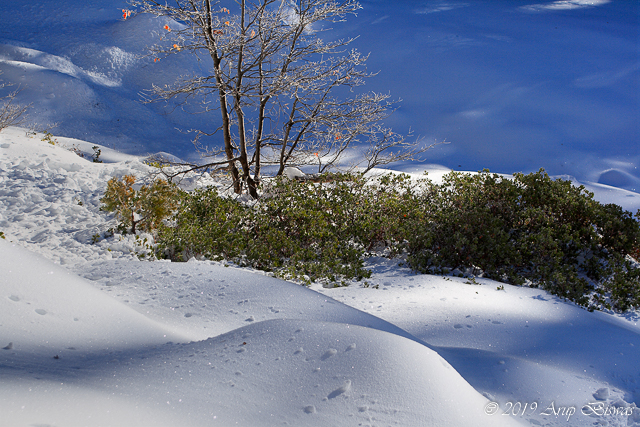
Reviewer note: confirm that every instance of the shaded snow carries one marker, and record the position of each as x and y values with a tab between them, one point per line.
92	336
513	86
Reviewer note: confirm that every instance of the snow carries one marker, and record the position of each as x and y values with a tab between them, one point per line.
137	330
513	86
91	334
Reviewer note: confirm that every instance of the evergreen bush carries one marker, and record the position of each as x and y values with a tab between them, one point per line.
526	230
531	229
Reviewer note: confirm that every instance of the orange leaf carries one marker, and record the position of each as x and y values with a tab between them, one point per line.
226	22
166	27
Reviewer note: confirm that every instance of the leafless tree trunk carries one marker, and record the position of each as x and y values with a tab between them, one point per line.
277	83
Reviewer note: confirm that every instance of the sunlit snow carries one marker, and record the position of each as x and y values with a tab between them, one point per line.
91	335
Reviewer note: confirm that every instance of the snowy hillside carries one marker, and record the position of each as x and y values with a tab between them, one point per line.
92	334
513	86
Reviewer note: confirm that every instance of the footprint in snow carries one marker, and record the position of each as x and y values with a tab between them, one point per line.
460	326
341	390
602	393
41	311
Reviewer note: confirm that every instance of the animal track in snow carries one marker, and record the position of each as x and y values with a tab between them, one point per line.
327	354
460	326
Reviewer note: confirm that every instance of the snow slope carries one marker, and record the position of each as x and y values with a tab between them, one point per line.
67	339
92	336
278	353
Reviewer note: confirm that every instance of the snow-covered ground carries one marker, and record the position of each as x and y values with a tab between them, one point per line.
90	335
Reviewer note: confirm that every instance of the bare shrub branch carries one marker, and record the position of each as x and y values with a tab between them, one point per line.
11	114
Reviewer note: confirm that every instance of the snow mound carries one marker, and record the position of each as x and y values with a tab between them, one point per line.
47	309
274	373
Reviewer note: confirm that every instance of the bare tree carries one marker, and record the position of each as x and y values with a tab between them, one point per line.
11	114
285	95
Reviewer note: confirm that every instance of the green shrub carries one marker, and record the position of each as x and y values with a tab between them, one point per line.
466	225
301	230
295	232
301	224
382	212
530	229
207	225
527	230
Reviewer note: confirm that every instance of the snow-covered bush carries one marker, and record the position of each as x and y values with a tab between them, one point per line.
207	225
299	232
